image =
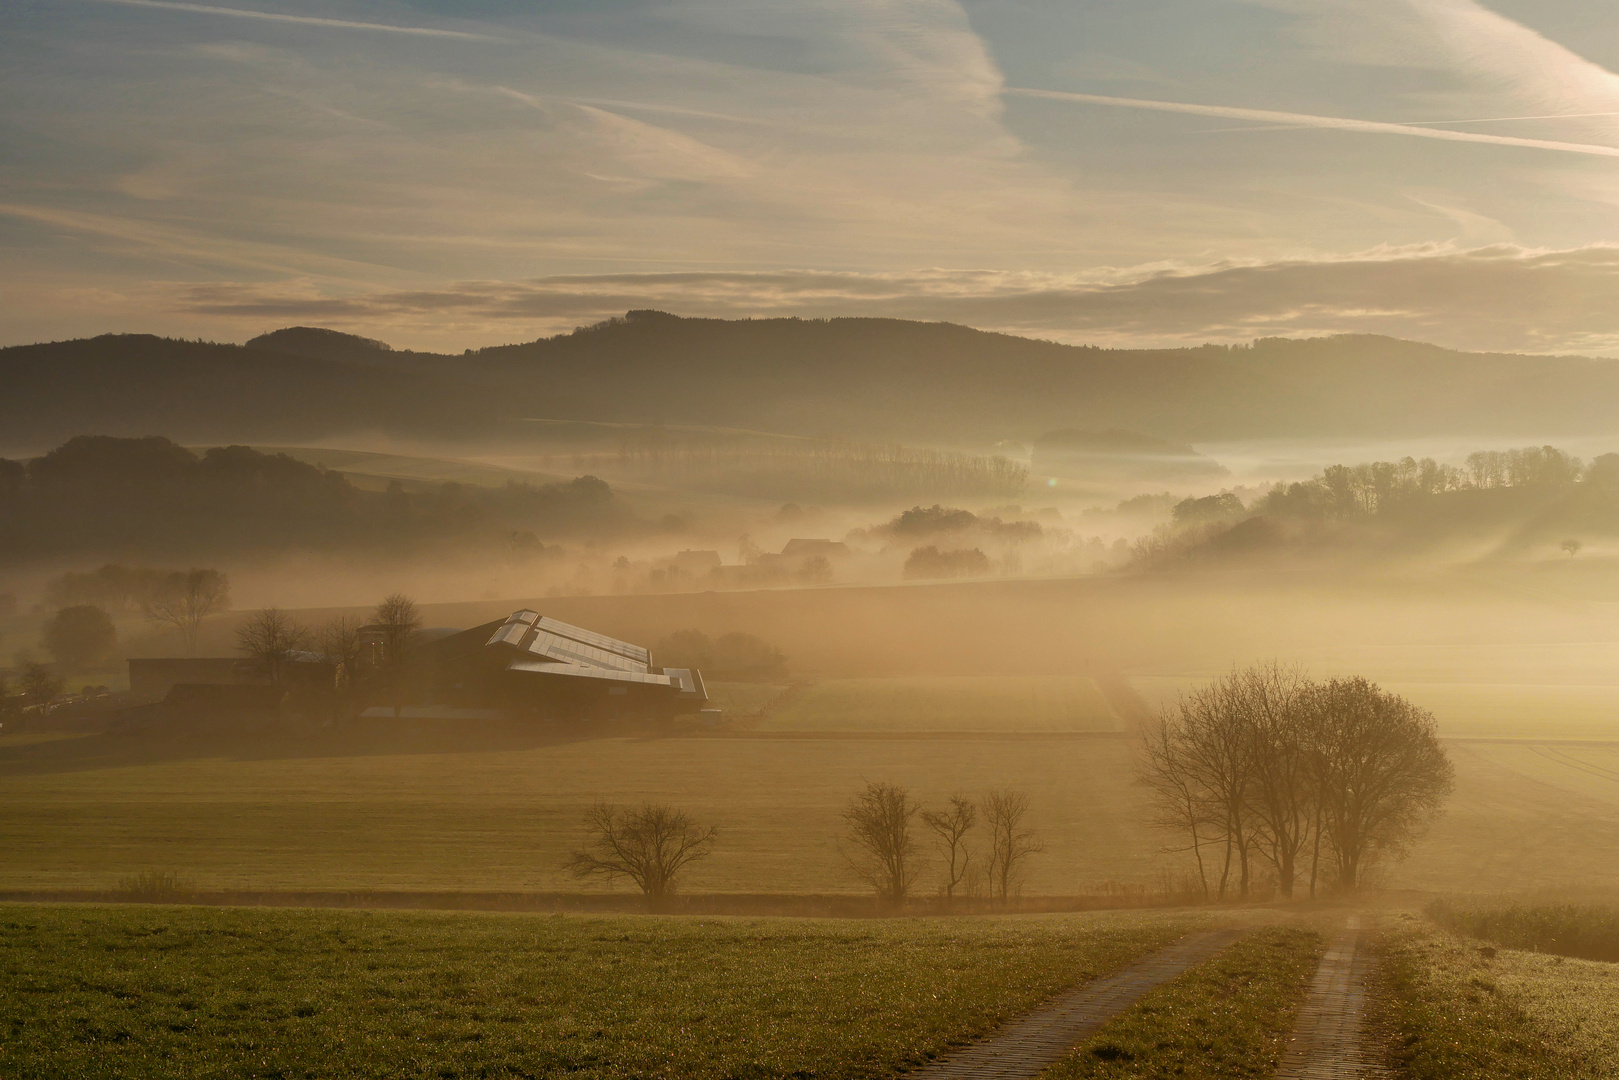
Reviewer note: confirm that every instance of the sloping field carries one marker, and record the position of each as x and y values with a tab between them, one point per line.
305	817
947	703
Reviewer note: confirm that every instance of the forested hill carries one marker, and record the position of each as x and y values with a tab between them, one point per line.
872	379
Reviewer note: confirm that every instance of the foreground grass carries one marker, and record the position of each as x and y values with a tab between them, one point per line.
1454	1013
1227	1018
188	992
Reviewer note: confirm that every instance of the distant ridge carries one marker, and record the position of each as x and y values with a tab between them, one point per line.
867	379
319	343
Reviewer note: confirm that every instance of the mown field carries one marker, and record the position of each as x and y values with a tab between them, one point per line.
144	992
946	703
311	814
402	811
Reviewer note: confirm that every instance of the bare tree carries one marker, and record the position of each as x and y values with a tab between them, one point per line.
1219	753
267	637
1380	772
951	828
1167	767
879	823
398	620
1010	842
40	686
1281	792
649	845
184	598
341	642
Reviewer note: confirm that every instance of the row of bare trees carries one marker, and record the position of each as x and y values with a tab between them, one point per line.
1265	768
651	844
886	851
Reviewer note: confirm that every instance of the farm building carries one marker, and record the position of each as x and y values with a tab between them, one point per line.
534	666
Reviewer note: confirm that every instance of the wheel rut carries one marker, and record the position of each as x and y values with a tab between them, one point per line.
1330	1041
1025	1047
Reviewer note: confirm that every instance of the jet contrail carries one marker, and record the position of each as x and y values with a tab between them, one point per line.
1305	120
308	20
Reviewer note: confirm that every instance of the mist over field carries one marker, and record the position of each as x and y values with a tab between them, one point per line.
926	538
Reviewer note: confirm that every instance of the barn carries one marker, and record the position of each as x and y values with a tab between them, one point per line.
529	665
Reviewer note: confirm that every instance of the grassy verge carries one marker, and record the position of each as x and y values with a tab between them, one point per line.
1227	1018
1454	1013
185	992
1588	931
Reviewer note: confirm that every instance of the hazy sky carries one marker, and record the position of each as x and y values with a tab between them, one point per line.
448	173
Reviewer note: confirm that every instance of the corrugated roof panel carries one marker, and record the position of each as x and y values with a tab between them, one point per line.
545	643
581	671
510	633
590	637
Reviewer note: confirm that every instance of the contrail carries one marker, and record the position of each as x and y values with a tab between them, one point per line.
1305	120
308	20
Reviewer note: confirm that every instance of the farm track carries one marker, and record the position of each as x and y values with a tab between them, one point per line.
1026	1047
1329	1041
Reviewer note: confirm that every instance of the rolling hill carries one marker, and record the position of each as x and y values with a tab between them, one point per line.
869	379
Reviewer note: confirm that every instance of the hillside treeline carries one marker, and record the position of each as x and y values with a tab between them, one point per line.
871	380
150	497
1519	499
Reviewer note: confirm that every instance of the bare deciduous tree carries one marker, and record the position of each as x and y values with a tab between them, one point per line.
267	637
951	828
40	686
184	598
399	620
649	845
341	642
879	822
1010	842
1264	761
1380	771
1281	794
1168	767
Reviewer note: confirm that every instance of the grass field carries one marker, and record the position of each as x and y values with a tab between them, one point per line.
311	815
191	993
947	703
1223	1020
400	811
1455	1014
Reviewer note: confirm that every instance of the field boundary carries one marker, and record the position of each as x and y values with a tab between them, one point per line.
986	735
806	905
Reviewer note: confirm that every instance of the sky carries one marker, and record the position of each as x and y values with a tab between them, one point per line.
447	174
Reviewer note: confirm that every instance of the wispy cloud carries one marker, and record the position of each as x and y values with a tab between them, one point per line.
1501	298
305	20
1306	120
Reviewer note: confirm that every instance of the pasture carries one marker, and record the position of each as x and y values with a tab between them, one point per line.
940	703
407	809
144	992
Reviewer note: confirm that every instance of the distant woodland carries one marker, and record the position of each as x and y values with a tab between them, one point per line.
152	498
875	380
1511	500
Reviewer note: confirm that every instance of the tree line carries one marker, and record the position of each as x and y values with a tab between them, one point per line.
156	498
1265	768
